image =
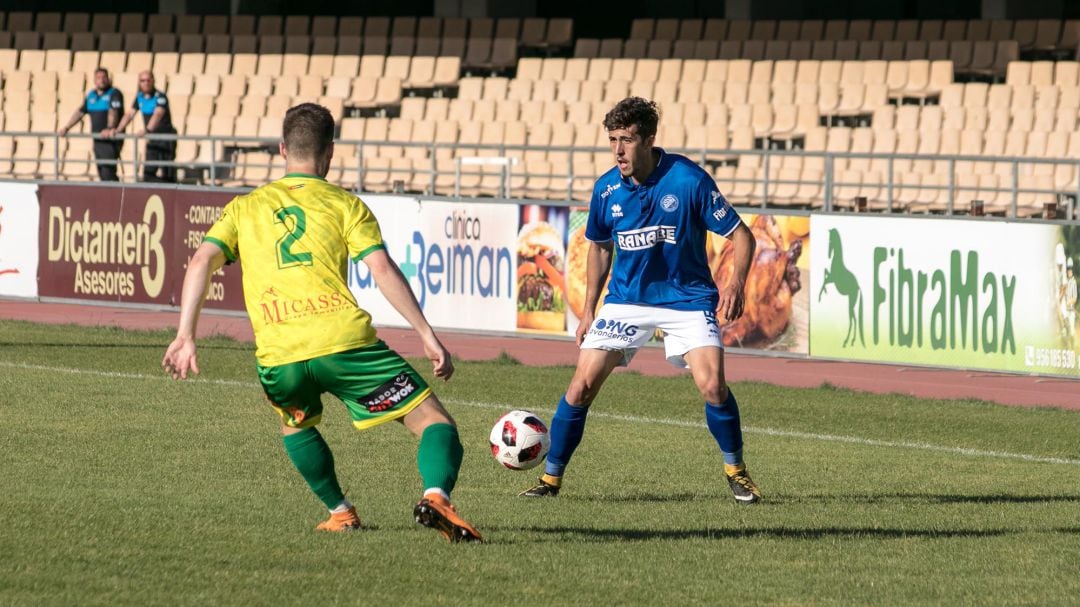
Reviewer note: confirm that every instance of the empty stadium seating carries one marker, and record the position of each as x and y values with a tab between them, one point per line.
902	114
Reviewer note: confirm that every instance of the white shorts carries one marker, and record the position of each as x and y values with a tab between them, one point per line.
625	328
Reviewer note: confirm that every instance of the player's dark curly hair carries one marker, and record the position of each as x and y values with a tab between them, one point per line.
308	131
634	110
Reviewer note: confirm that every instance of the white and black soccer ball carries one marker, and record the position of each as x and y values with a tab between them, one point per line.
519	440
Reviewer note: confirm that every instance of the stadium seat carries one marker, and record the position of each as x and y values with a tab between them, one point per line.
610	48
323	46
349	45
274	44
346	66
684	49
403	46
163	43
350	26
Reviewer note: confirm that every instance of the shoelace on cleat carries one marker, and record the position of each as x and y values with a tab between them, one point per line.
743	481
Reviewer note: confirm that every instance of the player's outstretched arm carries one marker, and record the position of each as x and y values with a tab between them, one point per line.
732	297
180	356
596	272
396	290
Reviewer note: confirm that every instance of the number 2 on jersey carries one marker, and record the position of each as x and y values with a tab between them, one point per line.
288	258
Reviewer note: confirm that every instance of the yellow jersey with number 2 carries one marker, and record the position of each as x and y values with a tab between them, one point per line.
294	238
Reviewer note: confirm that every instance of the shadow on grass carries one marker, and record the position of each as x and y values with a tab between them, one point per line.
579	534
931	498
643	497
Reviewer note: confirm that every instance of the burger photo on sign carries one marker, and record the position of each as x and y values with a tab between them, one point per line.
541	300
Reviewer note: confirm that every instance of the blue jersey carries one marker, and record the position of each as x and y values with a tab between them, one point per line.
658	230
147	104
98	106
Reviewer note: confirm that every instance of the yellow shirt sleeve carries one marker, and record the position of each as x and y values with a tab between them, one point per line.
224	233
362	233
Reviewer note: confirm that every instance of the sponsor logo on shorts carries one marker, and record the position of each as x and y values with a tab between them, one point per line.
616	210
646	238
614	329
669	203
390	394
710	321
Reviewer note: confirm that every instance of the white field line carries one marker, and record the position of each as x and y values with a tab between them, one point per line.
833	438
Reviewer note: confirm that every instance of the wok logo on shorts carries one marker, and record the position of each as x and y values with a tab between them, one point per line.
615	329
669	203
390	394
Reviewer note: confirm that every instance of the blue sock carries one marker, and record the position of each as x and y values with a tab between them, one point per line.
567	426
723	421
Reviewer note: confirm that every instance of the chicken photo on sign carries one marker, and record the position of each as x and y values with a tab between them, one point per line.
777	309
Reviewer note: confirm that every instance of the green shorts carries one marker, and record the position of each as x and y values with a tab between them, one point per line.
374	382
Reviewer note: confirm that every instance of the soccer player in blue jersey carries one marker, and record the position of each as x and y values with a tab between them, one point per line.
651	212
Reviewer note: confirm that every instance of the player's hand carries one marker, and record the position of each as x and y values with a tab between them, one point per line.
730	307
180	358
110	133
439	356
62	131
140	133
583	327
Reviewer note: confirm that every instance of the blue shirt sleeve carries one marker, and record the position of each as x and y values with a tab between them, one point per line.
715	211
596	228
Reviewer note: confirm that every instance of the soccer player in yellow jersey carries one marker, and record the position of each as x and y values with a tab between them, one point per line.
294	238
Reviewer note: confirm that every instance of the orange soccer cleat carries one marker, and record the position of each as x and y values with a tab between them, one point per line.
436	512
341	521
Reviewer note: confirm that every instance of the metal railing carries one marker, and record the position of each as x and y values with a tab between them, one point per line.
218	165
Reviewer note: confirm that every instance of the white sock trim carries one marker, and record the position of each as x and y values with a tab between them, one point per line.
437	491
342	507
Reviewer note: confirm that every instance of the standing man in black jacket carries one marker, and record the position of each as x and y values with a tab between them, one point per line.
104	104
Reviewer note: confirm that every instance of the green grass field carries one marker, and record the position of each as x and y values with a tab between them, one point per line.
124	488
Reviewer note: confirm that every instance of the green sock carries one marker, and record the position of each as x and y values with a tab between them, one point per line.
439	457
315	462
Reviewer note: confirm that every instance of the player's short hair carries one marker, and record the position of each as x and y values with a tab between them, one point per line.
308	130
101	70
634	110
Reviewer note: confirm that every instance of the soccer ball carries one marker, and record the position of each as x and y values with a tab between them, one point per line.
519	440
